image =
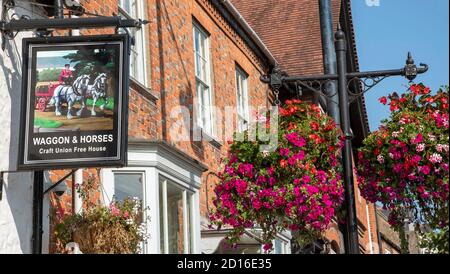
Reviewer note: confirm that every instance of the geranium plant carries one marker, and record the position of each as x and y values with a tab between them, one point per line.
404	164
118	228
296	186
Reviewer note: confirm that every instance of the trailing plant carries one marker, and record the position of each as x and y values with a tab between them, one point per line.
117	228
404	164
295	185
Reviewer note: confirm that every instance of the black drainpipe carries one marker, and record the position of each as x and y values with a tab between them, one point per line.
38	196
329	58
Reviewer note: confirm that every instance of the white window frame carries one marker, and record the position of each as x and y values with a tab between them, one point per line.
186	194
242	102
205	115
139	48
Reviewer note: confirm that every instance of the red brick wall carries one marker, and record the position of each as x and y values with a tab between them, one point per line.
171	77
173	71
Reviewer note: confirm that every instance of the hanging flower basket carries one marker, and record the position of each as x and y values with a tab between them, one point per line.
404	165
117	229
296	186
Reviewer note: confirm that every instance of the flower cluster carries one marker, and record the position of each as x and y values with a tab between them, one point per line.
404	165
297	186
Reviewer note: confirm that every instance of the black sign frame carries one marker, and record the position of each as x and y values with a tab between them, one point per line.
117	158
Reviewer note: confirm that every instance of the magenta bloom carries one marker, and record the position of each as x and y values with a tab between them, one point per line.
294	139
246	170
229	170
419	139
312	190
267	247
284	152
425	170
306	179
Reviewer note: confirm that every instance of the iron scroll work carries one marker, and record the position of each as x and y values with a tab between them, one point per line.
74	102
365	80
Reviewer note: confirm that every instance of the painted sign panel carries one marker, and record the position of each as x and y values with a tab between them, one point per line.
74	102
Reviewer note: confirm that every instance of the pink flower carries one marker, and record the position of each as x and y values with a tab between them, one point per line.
418	139
256	204
126	214
284	152
312	190
420	147
306	179
241	187
229	170
441	148
267	247
425	170
294	139
246	170
380	159
435	158
114	210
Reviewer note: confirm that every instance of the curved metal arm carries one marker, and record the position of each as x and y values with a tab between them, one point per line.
423	69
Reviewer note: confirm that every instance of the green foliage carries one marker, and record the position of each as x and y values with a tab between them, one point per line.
47	123
100	102
50	74
436	241
92	61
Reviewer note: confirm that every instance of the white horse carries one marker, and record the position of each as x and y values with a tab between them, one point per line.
71	94
98	90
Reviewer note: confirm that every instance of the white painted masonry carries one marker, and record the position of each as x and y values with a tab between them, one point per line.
16	203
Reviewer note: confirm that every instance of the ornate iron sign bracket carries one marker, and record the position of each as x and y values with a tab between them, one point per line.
9	28
366	80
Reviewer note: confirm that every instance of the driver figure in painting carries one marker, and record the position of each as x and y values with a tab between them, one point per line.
66	75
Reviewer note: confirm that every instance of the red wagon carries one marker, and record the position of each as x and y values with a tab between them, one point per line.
44	92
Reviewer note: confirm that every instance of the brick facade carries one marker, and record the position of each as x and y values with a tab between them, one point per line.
171	80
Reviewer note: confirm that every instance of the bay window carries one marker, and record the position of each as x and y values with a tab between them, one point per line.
168	185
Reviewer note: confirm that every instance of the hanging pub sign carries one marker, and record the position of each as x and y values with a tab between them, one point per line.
74	102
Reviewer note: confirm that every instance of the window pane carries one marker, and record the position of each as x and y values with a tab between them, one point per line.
127	185
175	219
129	6
191	237
242	99
278	247
161	217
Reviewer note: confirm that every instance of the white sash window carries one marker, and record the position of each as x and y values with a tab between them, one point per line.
132	9
242	99
203	80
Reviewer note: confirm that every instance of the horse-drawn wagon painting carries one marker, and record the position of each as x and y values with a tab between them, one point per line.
74	90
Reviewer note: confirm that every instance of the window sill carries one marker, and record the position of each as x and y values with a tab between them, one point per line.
143	90
210	138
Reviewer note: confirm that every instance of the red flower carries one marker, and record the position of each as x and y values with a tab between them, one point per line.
394	105
283	163
314	126
383	100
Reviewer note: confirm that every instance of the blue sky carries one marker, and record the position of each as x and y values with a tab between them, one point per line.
384	35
